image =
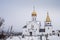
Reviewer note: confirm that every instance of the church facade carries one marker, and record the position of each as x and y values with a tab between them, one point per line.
33	31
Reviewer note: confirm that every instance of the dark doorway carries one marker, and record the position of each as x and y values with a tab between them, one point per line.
30	33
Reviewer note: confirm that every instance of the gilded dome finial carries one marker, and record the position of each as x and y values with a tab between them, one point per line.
33	8
47	14
48	18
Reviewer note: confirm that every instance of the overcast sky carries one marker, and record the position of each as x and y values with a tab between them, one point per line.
18	12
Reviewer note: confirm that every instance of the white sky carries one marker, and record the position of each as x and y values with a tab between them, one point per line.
18	12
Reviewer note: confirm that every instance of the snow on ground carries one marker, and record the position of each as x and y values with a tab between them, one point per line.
13	38
54	38
50	38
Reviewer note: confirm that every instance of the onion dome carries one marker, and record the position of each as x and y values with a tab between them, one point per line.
34	13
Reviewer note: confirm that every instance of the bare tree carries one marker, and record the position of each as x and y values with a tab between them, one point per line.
1	21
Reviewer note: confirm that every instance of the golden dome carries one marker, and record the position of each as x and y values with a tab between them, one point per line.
34	13
48	18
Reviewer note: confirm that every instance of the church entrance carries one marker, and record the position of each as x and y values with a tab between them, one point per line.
30	33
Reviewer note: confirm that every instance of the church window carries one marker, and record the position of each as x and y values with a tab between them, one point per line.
25	26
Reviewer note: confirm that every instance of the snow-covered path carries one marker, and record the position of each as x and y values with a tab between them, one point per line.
50	38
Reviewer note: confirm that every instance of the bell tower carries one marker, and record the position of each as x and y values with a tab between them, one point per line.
48	21
48	25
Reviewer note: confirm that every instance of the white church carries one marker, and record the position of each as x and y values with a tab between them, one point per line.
33	31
